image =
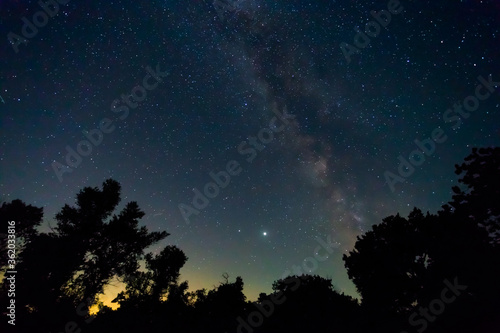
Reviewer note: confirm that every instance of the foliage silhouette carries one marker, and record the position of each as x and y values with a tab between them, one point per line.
398	268
307	303
87	249
401	264
26	218
160	278
479	200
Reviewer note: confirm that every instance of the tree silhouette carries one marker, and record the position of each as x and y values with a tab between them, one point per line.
217	312
398	267
306	303
160	278
26	218
105	246
479	198
389	264
88	248
401	263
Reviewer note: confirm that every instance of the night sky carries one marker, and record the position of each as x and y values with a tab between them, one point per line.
311	122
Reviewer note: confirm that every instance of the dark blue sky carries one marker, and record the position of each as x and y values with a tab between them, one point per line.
210	92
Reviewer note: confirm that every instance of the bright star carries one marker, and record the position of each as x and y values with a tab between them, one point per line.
264	233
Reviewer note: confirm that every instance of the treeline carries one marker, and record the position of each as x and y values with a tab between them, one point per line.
426	272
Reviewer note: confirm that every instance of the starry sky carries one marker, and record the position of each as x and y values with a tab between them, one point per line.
301	117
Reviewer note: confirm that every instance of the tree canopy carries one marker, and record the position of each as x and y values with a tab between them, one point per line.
402	267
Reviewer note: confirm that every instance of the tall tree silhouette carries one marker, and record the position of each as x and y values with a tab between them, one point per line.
26	217
477	199
89	247
389	263
479	196
105	245
401	264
